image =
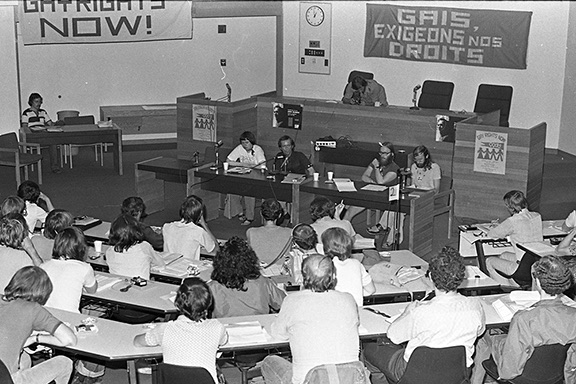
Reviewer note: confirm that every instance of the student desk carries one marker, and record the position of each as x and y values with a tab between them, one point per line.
114	340
98	232
418	205
79	134
156	297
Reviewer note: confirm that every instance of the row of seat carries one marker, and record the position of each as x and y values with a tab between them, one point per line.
438	95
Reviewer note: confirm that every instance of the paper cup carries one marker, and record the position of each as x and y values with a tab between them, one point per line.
330	175
98	246
316	176
377	104
225	165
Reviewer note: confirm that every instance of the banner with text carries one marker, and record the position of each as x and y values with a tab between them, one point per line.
484	38
104	21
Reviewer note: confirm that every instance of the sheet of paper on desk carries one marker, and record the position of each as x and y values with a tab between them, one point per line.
246	332
486	227
345	185
473	272
239	170
105	282
374	187
540	248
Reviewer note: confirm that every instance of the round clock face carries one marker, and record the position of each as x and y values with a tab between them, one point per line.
315	15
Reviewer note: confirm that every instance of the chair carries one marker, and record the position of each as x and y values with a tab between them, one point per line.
436	94
437	366
545	366
354	73
346	373
11	156
523	274
82	120
5	376
245	362
178	374
444	201
492	97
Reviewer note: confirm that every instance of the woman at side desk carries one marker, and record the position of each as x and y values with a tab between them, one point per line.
180	339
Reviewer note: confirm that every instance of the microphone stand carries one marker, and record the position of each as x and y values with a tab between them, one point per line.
217	153
402	185
415	92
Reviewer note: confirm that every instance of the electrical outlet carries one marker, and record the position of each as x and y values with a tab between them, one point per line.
222	62
222	28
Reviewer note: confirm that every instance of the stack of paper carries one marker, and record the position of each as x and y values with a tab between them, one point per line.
345	185
245	333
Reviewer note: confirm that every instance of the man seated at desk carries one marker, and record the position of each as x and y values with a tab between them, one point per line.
448	320
320	323
290	161
365	92
549	321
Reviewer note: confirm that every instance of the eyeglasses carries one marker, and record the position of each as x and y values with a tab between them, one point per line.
385	153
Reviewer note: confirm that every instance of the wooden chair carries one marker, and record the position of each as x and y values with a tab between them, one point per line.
491	97
545	366
354	73
177	374
11	155
444	201
437	366
436	94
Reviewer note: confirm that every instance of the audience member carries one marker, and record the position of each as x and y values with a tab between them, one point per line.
56	221
448	320
424	173
30	192
570	221
180	339
361	91
14	204
350	273
290	161
237	285
135	207
321	325
129	255
24	321
304	240
247	154
549	321
326	214
567	247
269	241
13	231
37	119
191	232
68	271
522	227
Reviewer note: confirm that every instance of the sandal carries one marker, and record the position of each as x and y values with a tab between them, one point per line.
375	229
246	222
242	217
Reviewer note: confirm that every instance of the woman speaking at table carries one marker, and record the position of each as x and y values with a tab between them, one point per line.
251	155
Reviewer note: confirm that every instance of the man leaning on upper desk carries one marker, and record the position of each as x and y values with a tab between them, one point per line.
361	91
549	321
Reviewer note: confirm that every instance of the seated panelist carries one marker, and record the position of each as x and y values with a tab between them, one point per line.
290	161
361	91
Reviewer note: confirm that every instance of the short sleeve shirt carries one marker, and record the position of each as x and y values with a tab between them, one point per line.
68	278
253	157
186	239
134	262
297	162
424	178
35	119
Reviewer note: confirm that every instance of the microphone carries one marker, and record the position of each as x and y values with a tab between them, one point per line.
219	143
417	87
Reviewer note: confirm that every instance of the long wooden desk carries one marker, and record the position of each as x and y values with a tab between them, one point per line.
79	134
156	297
418	205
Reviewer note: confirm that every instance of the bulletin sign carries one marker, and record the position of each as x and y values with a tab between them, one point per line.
204	127
490	152
104	21
287	116
475	37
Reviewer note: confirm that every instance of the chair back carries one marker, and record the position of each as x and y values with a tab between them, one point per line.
437	366
492	97
346	373
67	113
5	376
523	274
9	140
79	120
436	94
545	366
364	75
177	374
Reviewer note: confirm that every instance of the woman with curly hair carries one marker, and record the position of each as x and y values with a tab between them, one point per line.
237	285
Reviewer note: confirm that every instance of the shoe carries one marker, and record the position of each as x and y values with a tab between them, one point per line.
246	222
375	229
242	217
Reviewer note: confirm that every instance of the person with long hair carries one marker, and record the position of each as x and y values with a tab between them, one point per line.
192	339
129	255
304	240
37	203
424	173
135	207
14	204
56	221
24	321
191	232
238	287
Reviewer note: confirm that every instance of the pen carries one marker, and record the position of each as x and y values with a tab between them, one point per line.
179	257
377	312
